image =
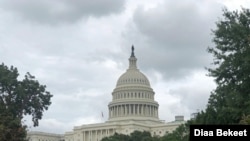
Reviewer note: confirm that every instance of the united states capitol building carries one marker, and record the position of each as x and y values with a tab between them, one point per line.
132	108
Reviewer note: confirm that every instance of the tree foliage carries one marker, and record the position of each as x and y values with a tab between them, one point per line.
231	98
245	120
19	98
134	136
11	128
117	137
181	133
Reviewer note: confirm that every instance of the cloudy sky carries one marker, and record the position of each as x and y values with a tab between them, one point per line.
79	48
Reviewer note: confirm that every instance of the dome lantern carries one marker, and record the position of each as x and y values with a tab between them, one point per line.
132	60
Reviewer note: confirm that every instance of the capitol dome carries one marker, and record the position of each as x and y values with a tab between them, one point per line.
133	98
132	76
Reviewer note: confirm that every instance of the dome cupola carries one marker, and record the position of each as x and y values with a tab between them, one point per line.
132	76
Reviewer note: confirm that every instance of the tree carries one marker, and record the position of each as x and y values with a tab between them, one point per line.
140	136
19	98
134	136
181	133
231	98
117	137
245	120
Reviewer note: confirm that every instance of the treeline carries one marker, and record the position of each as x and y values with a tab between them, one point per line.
146	136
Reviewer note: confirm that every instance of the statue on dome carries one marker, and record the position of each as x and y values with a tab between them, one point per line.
132	54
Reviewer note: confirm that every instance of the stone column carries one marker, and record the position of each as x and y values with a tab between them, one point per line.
142	109
100	135
152	107
147	111
113	111
124	110
120	110
154	111
96	134
116	111
83	135
129	110
138	109
89	135
125	106
133	109
150	110
157	112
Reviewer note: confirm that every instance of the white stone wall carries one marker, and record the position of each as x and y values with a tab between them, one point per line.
95	132
41	136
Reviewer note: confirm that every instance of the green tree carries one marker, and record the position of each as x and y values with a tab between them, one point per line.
181	133
17	99
245	119
140	136
231	98
134	136
117	137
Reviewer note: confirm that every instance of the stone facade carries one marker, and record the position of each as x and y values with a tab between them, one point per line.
41	136
132	108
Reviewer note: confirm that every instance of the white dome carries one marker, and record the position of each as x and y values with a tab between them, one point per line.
132	77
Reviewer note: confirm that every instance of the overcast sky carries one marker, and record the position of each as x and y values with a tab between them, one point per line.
79	48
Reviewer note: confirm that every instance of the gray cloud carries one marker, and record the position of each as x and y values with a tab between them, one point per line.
173	36
62	11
